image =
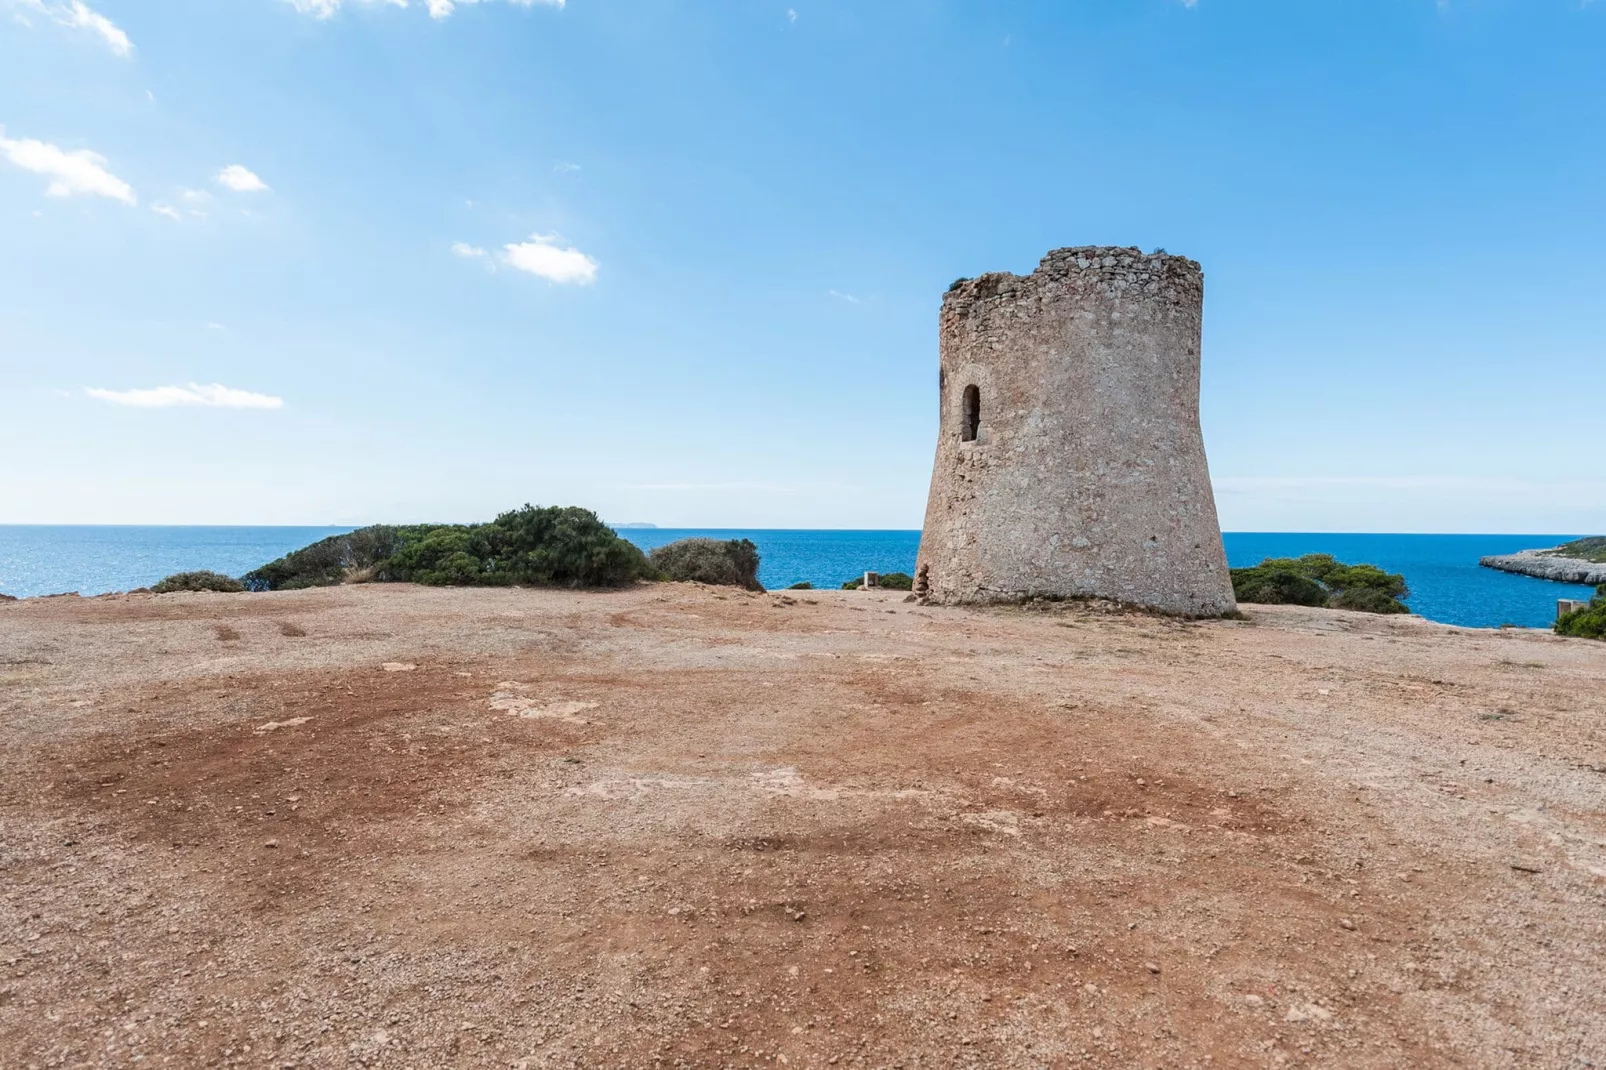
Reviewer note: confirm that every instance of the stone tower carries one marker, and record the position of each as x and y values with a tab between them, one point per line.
1069	457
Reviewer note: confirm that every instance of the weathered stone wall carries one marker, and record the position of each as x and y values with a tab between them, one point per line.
1087	474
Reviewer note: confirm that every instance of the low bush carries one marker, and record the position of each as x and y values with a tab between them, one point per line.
534	546
804	586
1320	580
1588	622
328	561
200	580
1367	600
1590	549
728	563
892	581
1269	584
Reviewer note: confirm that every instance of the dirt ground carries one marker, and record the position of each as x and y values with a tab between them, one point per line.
678	826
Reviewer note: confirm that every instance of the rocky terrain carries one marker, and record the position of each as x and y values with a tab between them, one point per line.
1548	565
393	826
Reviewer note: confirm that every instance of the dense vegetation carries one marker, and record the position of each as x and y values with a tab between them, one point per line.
731	563
1590	549
892	581
1586	623
1320	580
539	547
202	580
357	555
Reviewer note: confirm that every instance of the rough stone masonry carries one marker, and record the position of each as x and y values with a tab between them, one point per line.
1069	456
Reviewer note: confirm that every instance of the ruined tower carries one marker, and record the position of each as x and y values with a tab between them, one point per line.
1069	457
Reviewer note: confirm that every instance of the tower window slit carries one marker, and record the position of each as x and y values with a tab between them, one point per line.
970	420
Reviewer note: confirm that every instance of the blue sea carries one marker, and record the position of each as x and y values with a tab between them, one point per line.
1446	581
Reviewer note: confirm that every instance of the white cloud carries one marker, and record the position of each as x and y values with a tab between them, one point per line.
438	9
78	172
464	249
563	168
168	210
240	180
791	14
318	9
215	396
1470	484
849	298
772	488
80	16
542	256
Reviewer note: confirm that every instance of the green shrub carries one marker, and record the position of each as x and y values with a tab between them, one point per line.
1367	600
1590	549
1588	622
892	581
731	563
567	547
804	586
552	546
1268	584
327	561
201	580
1320	580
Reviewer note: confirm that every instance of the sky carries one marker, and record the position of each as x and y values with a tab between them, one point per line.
349	261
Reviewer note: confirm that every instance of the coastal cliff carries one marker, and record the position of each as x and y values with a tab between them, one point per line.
1548	565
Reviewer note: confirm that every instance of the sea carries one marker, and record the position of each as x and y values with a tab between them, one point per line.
1447	584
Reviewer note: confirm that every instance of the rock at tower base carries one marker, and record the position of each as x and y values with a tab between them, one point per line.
1069	457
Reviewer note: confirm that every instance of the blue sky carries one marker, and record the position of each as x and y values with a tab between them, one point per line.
309	261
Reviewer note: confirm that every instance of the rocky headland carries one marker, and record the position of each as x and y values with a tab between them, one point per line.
1549	565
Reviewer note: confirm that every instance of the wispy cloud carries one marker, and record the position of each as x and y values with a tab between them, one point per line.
1470	484
80	16
769	488
215	395
791	14
240	179
438	9
466	251
543	256
167	210
76	172
564	168
849	298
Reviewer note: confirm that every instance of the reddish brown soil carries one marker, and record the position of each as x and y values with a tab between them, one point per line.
680	826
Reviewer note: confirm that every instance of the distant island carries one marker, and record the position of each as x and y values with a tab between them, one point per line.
638	524
1579	561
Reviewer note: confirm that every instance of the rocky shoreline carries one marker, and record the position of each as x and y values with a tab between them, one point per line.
1544	565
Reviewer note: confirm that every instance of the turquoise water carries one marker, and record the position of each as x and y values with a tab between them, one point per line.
1446	582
